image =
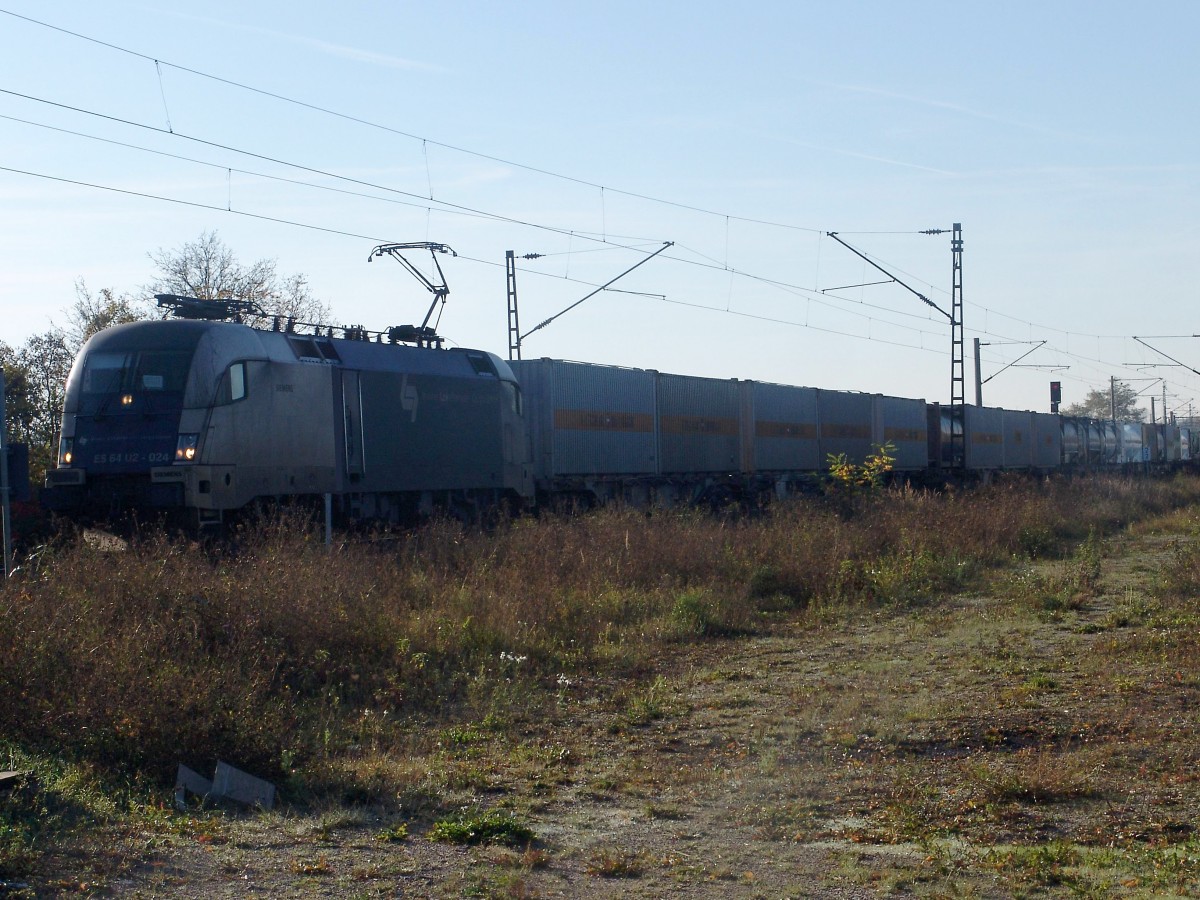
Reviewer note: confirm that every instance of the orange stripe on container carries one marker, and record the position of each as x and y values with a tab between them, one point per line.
700	425
833	430
599	420
903	434
797	430
986	437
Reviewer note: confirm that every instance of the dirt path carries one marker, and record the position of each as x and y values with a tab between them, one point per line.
926	750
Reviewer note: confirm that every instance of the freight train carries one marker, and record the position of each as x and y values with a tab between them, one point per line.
205	417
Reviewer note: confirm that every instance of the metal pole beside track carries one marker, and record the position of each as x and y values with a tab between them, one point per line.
5	516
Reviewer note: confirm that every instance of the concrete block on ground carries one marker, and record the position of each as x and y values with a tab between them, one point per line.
233	784
187	782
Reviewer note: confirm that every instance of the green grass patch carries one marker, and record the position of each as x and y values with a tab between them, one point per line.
492	827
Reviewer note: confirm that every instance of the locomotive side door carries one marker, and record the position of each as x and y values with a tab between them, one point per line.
353	425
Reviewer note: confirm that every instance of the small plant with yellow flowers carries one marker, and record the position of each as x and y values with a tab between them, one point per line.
870	475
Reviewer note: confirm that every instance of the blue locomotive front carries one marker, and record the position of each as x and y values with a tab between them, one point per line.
121	419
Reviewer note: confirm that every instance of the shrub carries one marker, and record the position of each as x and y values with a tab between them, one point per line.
277	654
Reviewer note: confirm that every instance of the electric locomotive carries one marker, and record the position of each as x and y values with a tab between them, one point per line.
208	416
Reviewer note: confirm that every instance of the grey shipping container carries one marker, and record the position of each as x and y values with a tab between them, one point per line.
985	437
698	420
779	428
1047	437
903	423
587	420
845	423
1018	439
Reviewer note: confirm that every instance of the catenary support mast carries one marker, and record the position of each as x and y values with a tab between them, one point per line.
958	402
514	327
5	517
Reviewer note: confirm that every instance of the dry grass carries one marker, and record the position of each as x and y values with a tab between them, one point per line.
328	671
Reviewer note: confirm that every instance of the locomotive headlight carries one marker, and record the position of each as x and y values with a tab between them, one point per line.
185	450
66	451
127	399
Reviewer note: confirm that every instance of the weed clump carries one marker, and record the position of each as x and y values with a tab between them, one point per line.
492	827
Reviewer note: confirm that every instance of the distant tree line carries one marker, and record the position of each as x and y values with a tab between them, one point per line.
1118	402
35	373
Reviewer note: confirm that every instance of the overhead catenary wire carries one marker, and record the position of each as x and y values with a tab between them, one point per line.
387	128
415	200
486	156
300	166
445	207
738	313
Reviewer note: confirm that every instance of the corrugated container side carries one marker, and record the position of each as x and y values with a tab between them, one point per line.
589	420
1047	440
845	425
903	423
784	428
533	375
699	425
1018	439
984	437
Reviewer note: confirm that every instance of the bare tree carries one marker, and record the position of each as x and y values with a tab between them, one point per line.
208	270
95	312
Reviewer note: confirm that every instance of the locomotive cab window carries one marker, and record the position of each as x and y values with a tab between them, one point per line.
149	370
237	381
512	395
482	364
233	384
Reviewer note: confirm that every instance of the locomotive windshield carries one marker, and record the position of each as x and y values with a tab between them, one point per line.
136	371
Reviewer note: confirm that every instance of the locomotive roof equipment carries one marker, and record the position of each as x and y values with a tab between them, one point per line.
227	310
422	335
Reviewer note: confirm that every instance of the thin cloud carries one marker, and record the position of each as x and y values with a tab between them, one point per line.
867	156
950	107
352	53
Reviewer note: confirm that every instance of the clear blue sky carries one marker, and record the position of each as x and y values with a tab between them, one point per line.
1063	136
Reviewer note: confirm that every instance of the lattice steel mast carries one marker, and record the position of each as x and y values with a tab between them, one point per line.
514	327
958	456
958	390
